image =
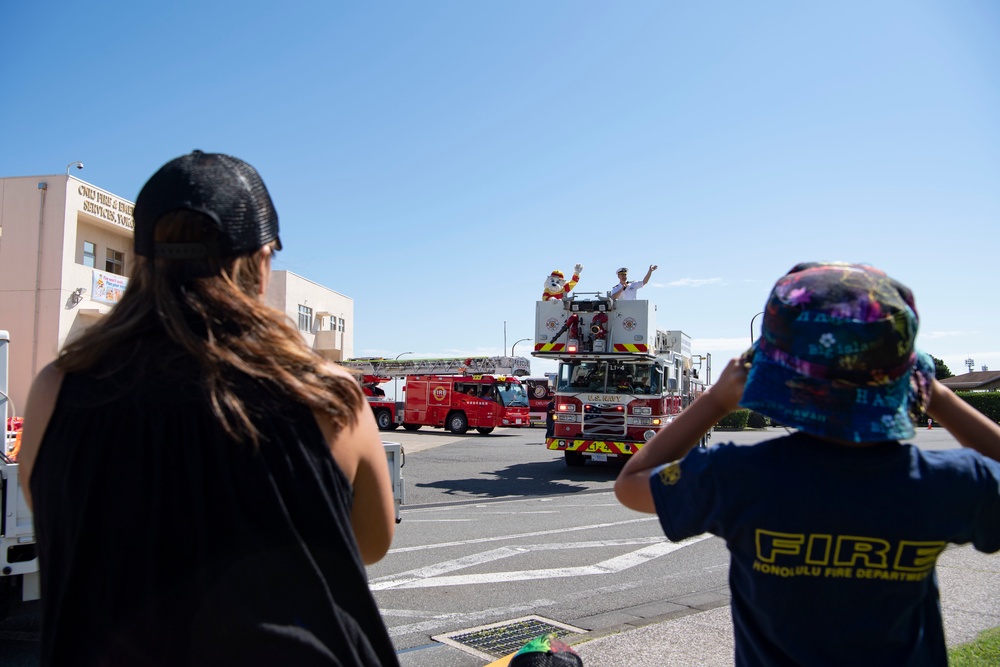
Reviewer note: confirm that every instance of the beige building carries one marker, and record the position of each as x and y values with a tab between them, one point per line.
324	317
65	254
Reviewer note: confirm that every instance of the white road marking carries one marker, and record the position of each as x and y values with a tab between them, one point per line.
431	576
468	619
518	536
520	513
437	620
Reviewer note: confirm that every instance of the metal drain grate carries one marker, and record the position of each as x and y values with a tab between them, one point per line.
499	639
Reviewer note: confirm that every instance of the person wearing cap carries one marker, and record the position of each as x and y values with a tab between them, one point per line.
626	290
833	530
206	489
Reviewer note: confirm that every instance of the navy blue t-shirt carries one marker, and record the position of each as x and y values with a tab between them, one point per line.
832	547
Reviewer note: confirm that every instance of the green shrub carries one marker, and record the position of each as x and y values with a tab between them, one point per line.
734	421
757	420
987	402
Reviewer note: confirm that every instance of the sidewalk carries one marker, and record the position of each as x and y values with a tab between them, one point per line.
969	582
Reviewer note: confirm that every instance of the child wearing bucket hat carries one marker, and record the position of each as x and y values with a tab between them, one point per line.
834	530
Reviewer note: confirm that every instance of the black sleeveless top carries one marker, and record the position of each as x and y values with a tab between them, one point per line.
162	541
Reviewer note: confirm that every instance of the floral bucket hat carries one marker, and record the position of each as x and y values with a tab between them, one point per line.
836	355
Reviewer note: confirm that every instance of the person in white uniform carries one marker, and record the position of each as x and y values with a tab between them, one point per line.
627	290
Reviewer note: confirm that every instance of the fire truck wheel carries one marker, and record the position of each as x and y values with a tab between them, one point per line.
458	423
575	459
411	427
484	430
384	420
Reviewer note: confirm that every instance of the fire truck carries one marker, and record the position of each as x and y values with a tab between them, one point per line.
19	578
620	379
454	393
540	391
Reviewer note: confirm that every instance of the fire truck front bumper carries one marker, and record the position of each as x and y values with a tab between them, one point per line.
605	447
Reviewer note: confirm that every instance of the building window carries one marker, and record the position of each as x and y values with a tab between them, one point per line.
115	262
305	318
340	324
89	254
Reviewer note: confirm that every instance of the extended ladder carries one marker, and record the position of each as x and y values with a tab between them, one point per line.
394	368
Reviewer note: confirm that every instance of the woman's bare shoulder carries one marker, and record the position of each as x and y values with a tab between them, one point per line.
37	413
43	394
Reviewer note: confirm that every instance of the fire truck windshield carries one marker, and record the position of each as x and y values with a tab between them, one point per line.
610	376
512	394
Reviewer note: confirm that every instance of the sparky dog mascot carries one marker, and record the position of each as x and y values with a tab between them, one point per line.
556	286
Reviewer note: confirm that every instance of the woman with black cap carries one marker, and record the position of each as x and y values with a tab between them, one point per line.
206	489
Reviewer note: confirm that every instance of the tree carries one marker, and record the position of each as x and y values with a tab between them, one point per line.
941	370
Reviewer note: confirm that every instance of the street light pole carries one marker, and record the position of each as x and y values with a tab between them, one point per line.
751	326
395	380
515	345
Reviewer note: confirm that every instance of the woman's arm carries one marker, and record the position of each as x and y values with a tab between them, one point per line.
677	439
37	413
374	514
359	453
970	427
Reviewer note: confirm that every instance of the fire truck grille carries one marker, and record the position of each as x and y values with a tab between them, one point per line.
603	421
499	639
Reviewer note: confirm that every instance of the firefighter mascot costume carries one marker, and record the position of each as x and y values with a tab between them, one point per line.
556	286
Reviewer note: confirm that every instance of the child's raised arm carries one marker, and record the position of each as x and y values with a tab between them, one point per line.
677	439
970	427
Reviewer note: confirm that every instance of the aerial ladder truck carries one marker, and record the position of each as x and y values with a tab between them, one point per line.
620	379
455	393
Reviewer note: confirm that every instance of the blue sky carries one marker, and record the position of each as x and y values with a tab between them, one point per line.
435	161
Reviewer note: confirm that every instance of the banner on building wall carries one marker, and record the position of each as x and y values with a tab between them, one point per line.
108	287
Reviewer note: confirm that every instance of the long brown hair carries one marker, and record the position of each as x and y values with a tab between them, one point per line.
210	310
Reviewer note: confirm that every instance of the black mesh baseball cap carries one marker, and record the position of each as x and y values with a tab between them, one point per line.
225	189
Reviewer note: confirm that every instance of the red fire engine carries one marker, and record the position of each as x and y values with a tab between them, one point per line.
540	391
458	394
620	379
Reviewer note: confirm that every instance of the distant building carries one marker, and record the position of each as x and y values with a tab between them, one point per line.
324	317
976	381
65	254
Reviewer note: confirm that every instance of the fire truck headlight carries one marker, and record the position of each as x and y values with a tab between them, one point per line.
657	422
566	419
640	421
648	435
642	411
567	407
